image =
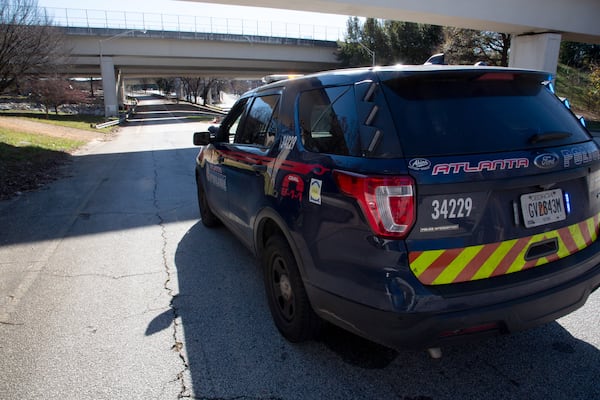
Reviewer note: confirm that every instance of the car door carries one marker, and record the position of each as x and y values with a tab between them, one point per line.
216	184
245	164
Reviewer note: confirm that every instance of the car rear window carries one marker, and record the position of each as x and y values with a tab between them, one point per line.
328	120
477	112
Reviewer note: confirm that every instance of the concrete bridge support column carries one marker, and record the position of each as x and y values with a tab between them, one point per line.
179	89
109	86
535	51
120	89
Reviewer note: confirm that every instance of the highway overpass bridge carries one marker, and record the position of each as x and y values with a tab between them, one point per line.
537	28
148	53
118	53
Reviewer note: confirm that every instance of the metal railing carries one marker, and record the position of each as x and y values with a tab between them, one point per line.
83	18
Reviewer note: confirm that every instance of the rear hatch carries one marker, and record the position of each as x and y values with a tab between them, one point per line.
506	177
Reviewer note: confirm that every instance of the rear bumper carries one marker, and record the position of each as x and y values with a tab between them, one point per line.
432	328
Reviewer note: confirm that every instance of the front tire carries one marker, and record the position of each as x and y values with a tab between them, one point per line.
290	308
209	219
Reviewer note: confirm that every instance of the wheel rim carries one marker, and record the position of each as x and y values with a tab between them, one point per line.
282	289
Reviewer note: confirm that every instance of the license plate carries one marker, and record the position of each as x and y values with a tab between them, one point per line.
542	208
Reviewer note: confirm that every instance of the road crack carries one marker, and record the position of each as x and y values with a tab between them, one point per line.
97	275
177	343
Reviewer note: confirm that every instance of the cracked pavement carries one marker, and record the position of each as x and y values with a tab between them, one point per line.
111	288
170	271
87	273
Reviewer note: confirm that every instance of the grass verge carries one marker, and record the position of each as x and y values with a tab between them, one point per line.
77	121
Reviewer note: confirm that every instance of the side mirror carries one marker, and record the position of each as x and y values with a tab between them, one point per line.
202	138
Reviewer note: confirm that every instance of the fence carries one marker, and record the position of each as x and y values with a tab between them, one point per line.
82	18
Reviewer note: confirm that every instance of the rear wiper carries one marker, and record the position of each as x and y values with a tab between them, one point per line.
548	137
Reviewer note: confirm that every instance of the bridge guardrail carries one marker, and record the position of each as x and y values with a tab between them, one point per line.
84	18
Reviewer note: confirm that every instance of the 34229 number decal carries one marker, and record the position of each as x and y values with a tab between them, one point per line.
460	207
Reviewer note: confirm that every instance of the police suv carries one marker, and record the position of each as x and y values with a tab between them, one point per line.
411	205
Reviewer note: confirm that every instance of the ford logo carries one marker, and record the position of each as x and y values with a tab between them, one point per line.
419	164
546	160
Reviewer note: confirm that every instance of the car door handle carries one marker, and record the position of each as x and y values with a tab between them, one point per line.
259	168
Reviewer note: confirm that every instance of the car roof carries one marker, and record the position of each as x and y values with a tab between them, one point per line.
353	75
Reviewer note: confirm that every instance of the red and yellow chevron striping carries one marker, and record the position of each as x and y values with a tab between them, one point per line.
438	267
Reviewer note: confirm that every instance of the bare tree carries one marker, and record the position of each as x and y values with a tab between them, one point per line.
166	85
208	84
191	87
241	86
198	86
54	91
29	44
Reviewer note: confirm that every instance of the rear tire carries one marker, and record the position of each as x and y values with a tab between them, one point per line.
290	308
209	219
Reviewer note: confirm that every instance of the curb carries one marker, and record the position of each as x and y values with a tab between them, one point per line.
119	121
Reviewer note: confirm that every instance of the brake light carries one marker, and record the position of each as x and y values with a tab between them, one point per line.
497	76
387	202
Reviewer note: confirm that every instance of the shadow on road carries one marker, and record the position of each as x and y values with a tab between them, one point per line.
107	192
234	350
110	191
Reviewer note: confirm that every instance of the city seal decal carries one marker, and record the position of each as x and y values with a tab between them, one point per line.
315	191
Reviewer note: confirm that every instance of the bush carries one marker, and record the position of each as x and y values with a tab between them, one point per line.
594	88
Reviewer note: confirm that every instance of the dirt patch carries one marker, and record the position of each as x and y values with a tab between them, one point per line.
26	169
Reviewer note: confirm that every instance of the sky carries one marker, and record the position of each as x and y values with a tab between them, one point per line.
172	7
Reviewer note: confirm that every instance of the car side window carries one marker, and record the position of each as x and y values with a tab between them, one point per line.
260	125
328	120
234	128
231	124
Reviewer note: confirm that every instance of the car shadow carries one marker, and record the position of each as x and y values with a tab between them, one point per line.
233	349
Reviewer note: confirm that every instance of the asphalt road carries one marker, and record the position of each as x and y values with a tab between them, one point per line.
111	288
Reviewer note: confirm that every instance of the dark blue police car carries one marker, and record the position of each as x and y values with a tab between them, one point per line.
411	205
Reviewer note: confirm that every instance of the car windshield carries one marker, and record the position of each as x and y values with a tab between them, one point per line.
451	114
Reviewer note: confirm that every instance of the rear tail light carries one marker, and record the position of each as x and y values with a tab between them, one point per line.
387	202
